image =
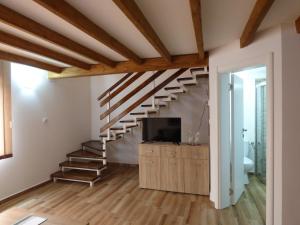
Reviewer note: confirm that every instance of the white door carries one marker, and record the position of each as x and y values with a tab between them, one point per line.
225	151
237	162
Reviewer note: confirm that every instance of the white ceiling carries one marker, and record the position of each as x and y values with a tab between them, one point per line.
223	22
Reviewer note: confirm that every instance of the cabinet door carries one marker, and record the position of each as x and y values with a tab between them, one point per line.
171	175
149	172
196	176
149	150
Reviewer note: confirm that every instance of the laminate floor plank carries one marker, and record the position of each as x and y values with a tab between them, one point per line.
118	200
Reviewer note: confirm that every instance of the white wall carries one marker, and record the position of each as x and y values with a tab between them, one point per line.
291	125
232	55
189	107
38	147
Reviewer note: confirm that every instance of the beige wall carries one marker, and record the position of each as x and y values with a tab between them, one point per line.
39	147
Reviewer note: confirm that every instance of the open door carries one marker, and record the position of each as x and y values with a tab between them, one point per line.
225	138
237	162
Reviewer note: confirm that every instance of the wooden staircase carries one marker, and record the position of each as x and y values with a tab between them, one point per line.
88	164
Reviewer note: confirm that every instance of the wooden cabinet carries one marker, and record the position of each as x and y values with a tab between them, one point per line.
148	172
196	178
178	168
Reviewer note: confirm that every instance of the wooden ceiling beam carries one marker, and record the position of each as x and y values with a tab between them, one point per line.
30	62
297	22
20	43
136	16
258	13
28	25
67	12
153	64
195	6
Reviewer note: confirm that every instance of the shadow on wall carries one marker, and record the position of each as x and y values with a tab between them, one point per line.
189	106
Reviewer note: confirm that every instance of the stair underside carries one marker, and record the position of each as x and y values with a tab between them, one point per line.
82	165
85	154
76	175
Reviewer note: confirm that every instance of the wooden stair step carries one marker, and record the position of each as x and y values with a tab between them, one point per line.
199	76
85	154
142	113
104	135
172	88
116	128
129	121
190	84
82	165
76	175
185	78
132	126
150	105
202	69
161	96
93	144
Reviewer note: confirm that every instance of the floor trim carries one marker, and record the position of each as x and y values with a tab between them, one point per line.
14	196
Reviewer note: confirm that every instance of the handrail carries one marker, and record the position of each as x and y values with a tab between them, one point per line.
121	88
114	86
132	93
142	99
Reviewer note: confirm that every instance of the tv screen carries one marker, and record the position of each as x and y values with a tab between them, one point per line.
162	129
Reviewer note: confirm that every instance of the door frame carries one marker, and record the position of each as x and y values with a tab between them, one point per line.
265	60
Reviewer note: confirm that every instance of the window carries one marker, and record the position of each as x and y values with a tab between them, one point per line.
5	111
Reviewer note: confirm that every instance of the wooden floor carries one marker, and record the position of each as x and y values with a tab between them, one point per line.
118	201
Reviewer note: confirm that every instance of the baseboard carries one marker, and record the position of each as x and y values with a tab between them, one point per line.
14	196
122	164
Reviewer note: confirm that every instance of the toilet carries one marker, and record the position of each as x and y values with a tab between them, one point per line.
248	167
248	163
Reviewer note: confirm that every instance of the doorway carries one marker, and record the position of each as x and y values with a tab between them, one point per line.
243	138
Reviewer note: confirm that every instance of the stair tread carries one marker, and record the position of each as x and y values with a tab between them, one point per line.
81	175
201	69
150	105
173	88
198	76
97	145
190	84
128	121
142	113
161	96
84	154
185	78
116	128
131	126
84	165
104	135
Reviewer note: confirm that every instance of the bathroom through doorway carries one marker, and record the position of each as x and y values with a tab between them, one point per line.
243	127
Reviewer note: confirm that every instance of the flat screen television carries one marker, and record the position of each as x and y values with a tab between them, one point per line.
162	129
